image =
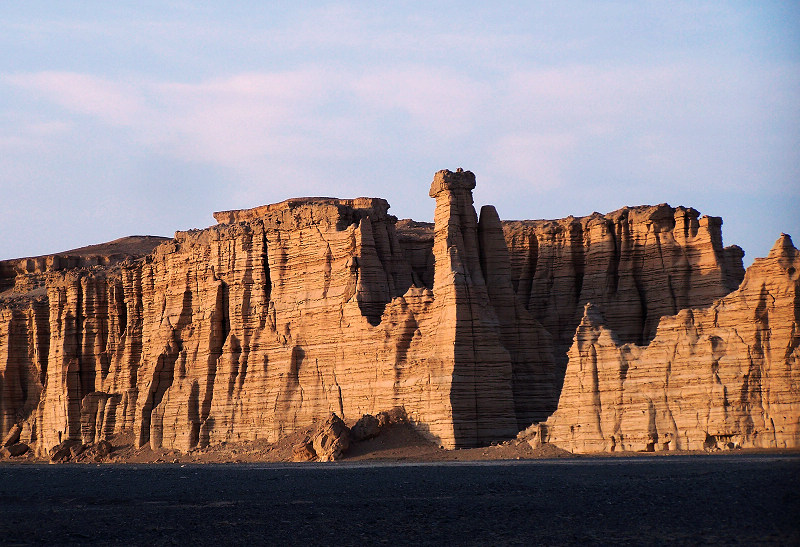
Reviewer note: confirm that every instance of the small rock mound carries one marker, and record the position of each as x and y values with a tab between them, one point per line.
332	438
395	415
13	451
65	450
96	452
75	451
369	426
327	444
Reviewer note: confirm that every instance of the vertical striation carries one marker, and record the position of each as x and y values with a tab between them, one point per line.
280	315
718	377
271	320
635	265
468	344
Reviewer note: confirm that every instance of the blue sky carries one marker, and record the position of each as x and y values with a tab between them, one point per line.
121	118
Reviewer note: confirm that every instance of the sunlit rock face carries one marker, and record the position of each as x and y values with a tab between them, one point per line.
273	319
278	316
635	265
718	377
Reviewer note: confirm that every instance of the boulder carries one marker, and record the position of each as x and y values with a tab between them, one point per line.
331	439
17	449
77	449
13	436
304	451
63	452
367	427
395	415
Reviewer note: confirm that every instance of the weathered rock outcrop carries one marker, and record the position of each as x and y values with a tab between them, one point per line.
22	275
281	315
723	376
636	265
331	440
272	319
485	340
13	451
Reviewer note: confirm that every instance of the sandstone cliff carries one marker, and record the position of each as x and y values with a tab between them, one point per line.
272	319
25	274
723	376
280	315
636	265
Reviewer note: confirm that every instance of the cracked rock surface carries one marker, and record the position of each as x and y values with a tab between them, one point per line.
724	376
265	324
275	318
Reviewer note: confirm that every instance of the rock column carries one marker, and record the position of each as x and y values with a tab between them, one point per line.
481	392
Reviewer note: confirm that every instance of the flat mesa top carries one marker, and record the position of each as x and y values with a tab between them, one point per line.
244	215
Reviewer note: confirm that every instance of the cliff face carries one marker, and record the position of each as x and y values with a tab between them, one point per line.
727	375
279	315
271	320
636	265
499	354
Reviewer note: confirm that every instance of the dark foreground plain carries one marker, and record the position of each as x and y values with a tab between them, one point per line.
695	500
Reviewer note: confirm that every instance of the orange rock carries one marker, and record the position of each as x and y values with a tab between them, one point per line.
268	322
274	318
636	265
304	451
718	377
367	427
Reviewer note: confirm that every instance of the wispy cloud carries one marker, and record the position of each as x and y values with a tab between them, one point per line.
112	102
530	121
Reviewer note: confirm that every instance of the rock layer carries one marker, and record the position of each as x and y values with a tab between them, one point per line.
723	376
271	320
636	265
22	275
279	316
